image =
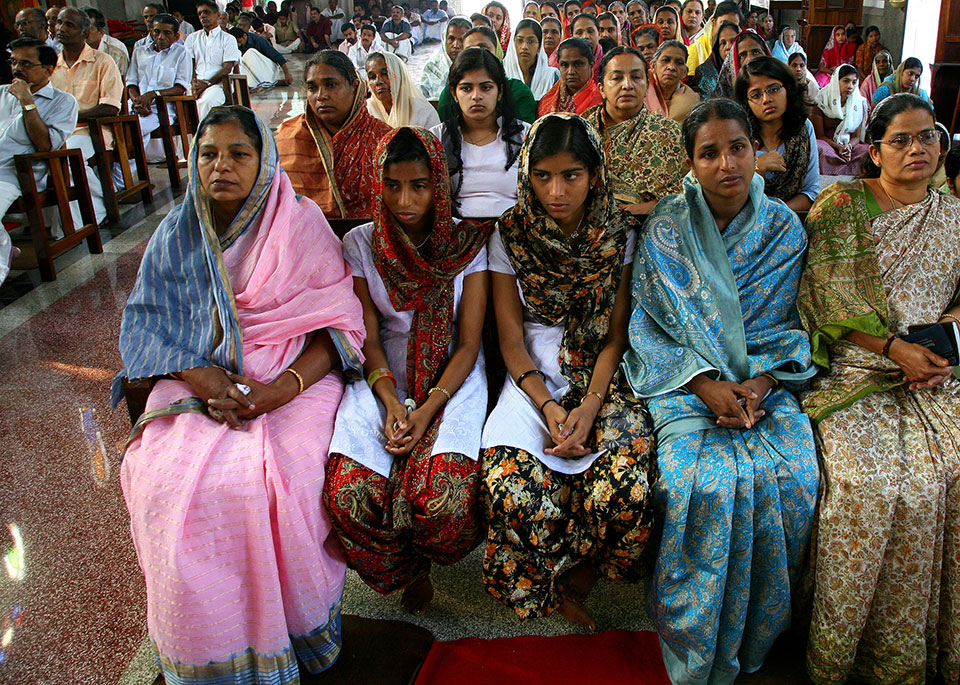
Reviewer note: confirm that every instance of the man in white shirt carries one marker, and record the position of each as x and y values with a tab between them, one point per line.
31	23
397	34
336	15
369	42
164	68
34	117
99	40
349	38
434	23
214	54
150	10
186	28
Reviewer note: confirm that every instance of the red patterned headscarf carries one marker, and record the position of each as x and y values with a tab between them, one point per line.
422	280
504	32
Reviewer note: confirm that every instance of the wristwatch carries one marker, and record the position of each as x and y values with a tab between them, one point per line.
28	108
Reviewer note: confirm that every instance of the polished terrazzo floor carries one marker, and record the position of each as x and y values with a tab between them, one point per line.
72	600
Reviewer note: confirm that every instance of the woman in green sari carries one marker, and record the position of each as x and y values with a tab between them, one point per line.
885	255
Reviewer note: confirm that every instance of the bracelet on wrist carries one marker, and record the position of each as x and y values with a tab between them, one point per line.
437	388
952	317
886	348
377	374
772	378
548	402
531	372
296	375
595	394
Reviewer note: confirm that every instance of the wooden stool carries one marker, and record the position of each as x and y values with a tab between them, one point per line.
185	124
59	193
126	140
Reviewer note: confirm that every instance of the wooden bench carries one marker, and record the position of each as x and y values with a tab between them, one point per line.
185	124
59	193
128	143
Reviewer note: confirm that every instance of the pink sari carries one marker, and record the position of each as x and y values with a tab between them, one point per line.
243	575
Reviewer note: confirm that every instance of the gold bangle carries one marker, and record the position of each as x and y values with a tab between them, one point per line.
439	389
771	377
297	376
950	316
595	394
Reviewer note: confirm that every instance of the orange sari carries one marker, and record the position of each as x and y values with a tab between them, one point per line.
558	99
347	192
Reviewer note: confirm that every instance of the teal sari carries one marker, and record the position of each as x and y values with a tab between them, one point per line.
737	504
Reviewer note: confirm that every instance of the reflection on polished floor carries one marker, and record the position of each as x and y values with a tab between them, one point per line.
72	599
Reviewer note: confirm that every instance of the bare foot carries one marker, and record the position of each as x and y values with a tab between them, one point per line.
416	597
577	581
573	586
575	612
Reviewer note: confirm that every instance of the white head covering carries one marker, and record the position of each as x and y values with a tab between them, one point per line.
408	101
544	76
853	114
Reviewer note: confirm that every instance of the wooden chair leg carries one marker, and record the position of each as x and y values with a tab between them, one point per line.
105	173
87	215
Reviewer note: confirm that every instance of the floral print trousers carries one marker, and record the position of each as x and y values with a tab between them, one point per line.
392	528
540	519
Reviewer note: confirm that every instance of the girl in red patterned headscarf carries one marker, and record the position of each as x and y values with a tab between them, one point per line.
401	484
498	14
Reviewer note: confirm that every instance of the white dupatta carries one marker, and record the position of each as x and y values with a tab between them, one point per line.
852	114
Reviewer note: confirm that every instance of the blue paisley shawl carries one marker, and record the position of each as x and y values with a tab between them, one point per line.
181	313
737	505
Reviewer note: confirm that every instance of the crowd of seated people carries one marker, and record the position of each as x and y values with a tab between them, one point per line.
600	306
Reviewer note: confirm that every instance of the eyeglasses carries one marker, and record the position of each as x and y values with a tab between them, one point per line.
771	90
14	63
929	137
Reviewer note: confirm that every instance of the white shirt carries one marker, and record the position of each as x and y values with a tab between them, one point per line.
359	427
211	50
335	23
358	54
516	421
57	109
186	28
487	189
152	70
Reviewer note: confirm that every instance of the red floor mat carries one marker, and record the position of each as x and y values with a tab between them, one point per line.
614	656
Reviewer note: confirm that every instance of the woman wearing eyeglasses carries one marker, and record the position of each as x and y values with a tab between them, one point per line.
884	255
787	153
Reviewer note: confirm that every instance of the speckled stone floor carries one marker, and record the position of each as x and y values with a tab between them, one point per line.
72	600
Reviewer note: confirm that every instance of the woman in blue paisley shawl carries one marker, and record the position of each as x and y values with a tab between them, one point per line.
717	348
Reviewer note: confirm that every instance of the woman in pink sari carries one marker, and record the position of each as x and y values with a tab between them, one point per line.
244	312
838	51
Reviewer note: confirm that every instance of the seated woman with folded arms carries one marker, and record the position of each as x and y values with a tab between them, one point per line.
402	479
328	150
567	449
482	137
224	471
787	155
717	350
645	156
885	256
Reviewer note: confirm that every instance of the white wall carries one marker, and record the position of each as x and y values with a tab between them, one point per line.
920	34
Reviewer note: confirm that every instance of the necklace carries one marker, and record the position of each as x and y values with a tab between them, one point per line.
429	233
488	137
889	197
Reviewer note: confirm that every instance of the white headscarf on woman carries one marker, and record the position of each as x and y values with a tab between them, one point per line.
852	113
409	108
544	76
